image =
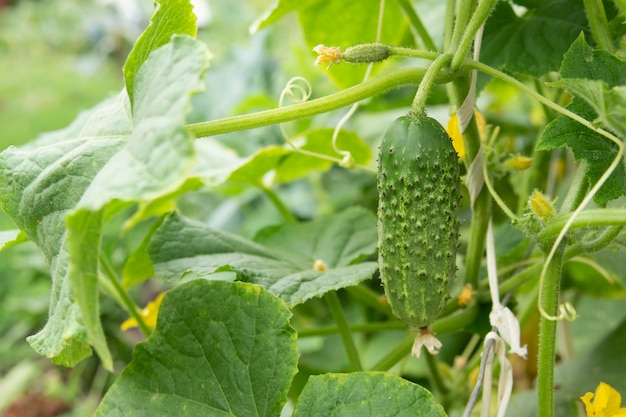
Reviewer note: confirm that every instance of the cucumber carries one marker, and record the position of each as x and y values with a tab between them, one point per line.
419	189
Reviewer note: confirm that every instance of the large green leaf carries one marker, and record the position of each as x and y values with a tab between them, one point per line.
103	162
365	394
171	17
153	163
535	42
219	349
38	186
283	260
583	65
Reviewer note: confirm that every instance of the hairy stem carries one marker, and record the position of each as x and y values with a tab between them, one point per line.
372	87
430	78
465	9
549	300
478	19
599	24
587	218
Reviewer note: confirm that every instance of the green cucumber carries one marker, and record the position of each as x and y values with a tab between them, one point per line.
419	189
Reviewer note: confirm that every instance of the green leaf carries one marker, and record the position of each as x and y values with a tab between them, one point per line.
338	240
279	9
138	266
345	23
103	162
584	64
38	186
219	349
283	263
534	43
288	165
171	17
10	238
153	164
365	394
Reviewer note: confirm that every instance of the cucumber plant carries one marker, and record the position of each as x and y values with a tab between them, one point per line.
132	196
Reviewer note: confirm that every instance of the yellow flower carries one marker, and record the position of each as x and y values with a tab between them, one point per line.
467	293
519	162
540	205
149	314
330	54
454	131
606	403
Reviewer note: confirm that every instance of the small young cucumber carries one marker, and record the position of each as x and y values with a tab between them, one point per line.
418	222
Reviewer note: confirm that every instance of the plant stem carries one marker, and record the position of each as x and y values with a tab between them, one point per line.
419	103
469	63
367	327
372	87
448	25
396	355
346	335
549	300
587	218
278	203
435	375
599	24
465	9
477	20
121	294
417	24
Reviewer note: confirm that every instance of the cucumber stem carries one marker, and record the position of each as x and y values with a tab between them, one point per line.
549	300
334	306
599	24
421	97
436	379
121	295
375	85
477	20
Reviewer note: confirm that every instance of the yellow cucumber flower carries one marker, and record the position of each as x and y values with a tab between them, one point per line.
606	402
149	314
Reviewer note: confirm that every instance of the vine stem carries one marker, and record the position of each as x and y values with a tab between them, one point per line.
435	375
375	85
464	12
346	335
369	327
588	218
477	20
599	25
280	206
549	299
123	296
419	103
